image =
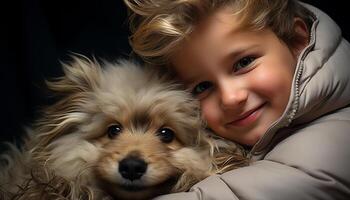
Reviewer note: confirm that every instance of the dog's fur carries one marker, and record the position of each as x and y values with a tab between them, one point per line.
108	114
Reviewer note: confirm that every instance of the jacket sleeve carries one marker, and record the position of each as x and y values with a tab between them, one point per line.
311	164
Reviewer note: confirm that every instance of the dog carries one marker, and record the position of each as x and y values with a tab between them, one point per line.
118	131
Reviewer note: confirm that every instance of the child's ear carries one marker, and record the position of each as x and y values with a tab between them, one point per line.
301	36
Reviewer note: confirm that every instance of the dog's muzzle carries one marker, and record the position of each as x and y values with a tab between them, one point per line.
132	168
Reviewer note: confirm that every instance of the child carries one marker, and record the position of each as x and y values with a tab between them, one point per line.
270	74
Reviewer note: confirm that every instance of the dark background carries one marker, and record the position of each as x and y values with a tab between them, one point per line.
36	34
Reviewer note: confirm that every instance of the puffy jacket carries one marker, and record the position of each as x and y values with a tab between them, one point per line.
306	153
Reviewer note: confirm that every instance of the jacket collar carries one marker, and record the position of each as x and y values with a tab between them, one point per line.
314	85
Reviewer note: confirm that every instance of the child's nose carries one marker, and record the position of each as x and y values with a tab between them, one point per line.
231	97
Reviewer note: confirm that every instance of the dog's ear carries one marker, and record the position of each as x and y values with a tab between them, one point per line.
73	90
80	75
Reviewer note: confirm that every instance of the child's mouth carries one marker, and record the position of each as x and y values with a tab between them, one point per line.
248	118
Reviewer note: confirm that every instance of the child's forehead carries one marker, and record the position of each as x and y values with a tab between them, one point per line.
218	30
223	17
222	25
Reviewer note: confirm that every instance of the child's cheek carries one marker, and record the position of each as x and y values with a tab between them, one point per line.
211	113
272	82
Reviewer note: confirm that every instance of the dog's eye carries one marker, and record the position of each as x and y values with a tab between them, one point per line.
166	135
114	130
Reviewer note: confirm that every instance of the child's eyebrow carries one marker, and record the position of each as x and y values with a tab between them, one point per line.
191	80
238	52
190	77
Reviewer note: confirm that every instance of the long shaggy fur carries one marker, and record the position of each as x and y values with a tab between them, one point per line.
107	114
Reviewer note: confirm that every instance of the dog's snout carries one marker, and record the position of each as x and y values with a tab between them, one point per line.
132	168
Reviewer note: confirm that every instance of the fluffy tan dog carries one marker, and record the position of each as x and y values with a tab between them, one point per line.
119	131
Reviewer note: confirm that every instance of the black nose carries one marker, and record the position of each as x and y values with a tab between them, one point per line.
132	168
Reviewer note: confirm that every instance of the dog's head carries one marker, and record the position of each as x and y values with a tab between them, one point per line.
121	127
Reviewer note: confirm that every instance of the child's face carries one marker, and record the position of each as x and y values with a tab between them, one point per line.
242	78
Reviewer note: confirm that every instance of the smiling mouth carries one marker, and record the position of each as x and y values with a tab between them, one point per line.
248	117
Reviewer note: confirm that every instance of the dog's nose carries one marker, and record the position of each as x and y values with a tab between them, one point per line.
132	168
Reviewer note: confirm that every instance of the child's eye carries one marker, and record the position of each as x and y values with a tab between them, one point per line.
243	63
201	87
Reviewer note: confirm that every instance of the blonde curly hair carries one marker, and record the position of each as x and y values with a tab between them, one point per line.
159	26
